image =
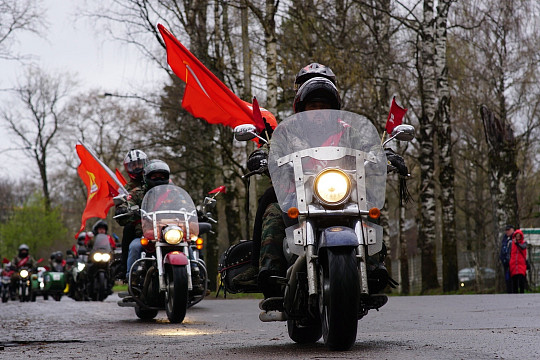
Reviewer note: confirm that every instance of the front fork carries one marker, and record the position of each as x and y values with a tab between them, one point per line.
311	257
161	270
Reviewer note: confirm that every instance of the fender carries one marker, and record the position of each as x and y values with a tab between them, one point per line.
338	236
176	258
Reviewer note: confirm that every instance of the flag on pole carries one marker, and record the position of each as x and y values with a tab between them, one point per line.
395	117
101	183
205	95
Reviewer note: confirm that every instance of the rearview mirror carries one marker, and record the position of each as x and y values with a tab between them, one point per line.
245	132
403	132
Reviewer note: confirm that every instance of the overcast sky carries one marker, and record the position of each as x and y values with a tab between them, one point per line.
73	46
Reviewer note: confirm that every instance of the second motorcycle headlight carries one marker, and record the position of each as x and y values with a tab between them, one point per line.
332	187
24	273
173	235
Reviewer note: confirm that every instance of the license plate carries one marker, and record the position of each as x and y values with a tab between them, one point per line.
56	277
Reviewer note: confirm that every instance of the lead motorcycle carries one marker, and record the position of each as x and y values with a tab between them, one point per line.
162	277
98	271
328	169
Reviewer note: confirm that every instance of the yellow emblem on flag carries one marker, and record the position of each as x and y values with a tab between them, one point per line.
93	185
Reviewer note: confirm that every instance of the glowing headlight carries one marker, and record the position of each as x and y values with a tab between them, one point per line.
97	257
332	186
24	273
81	266
173	235
105	257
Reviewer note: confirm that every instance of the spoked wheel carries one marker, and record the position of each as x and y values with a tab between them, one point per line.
176	294
203	276
145	314
339	296
101	286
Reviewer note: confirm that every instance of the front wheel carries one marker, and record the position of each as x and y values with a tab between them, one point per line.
101	286
176	294
24	294
339	296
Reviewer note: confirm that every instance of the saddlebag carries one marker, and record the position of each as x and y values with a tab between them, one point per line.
235	260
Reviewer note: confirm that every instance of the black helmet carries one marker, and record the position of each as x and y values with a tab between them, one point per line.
134	163
313	70
156	172
317	89
100	224
58	256
81	238
258	161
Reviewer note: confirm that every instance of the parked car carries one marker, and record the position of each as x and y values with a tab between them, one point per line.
467	277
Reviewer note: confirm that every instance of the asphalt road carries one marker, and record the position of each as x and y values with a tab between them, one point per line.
428	327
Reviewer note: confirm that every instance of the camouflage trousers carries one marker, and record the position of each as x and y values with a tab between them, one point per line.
273	234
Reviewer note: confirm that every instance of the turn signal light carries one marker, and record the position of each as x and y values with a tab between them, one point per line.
293	213
374	213
144	241
199	243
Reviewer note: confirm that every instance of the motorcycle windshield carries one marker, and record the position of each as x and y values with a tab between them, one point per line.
101	243
165	205
306	143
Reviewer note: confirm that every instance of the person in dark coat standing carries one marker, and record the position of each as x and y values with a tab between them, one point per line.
518	261
504	256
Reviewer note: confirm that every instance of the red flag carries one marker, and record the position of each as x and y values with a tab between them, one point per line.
219	189
205	95
395	117
100	182
120	177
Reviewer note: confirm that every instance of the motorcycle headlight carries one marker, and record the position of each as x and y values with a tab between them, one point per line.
332	187
81	266
173	235
97	257
24	273
105	257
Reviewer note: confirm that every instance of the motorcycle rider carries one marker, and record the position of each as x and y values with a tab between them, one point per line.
315	90
156	172
57	262
22	259
100	227
134	163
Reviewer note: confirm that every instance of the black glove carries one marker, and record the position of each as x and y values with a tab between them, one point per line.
396	163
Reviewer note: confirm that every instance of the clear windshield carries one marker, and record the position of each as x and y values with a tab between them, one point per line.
306	143
168	205
101	242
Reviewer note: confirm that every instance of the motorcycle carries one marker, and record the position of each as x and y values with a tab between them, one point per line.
7	290
76	274
328	169
163	280
98	272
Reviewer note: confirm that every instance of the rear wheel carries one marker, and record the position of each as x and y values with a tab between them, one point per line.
339	296
145	314
203	278
176	295
304	334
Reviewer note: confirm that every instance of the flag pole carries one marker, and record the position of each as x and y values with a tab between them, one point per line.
121	189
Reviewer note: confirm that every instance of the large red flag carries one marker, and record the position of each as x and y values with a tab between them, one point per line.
395	117
205	95
101	183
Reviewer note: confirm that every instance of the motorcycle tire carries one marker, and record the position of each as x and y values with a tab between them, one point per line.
33	297
145	314
101	287
46	297
23	295
307	334
176	293
339	297
5	297
57	297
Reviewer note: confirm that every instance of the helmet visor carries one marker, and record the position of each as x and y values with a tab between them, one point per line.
135	166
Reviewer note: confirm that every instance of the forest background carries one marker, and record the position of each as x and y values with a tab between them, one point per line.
467	71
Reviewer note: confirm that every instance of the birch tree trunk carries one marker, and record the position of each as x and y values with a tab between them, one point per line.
427	75
268	22
447	172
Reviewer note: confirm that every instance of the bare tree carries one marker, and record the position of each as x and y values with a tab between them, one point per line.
15	17
42	115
